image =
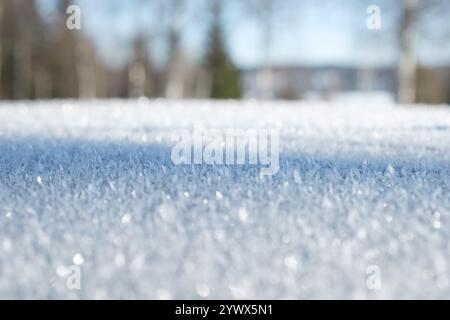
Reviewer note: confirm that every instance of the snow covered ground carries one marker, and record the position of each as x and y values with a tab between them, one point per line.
92	184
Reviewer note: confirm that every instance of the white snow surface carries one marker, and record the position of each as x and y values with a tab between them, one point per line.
92	184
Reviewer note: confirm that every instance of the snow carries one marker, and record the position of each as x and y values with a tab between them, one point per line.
92	185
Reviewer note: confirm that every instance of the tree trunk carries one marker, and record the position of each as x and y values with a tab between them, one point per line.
85	69
42	84
175	77
1	47
176	72
23	64
138	70
407	73
137	78
266	76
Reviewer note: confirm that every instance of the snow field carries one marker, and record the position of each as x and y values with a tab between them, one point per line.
92	184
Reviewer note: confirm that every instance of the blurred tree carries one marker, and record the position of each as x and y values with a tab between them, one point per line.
422	20
42	82
408	27
266	16
27	21
22	42
175	69
264	12
87	68
223	76
271	16
407	70
69	66
140	70
83	53
19	24
62	55
1	45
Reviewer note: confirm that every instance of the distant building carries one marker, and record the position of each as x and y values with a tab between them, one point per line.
433	85
290	82
304	82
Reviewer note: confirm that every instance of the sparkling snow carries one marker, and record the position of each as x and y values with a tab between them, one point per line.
92	185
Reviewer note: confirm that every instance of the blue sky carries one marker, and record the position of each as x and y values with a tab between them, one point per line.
306	32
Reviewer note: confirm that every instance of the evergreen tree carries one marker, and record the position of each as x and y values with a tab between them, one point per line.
224	77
